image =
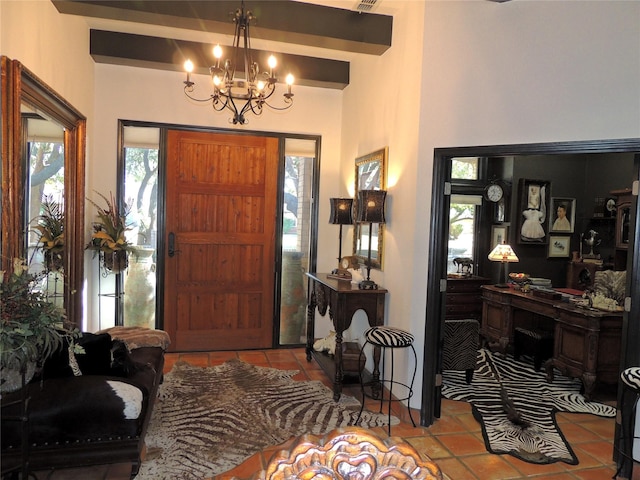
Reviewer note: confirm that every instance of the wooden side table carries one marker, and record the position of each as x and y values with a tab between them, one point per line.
342	300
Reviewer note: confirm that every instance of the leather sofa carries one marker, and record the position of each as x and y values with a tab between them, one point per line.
97	417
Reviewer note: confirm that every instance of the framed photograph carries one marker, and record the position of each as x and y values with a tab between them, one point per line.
370	174
562	215
533	208
559	246
499	234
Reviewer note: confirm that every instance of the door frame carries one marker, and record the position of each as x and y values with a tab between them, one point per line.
161	207
434	321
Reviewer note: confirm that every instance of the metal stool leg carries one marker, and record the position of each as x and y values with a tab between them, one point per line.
361	381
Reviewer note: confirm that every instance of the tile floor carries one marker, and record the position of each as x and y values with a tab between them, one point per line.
454	441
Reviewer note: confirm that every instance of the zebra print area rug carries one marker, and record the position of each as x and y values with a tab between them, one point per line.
209	420
534	398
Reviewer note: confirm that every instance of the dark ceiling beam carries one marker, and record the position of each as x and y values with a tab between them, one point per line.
278	20
169	54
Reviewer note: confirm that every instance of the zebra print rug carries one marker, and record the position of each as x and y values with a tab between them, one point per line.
534	398
209	420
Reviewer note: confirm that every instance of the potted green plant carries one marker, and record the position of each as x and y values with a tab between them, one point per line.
31	328
108	236
50	229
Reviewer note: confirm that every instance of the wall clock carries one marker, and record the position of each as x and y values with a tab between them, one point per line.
494	192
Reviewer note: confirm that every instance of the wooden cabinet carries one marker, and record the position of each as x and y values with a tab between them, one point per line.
581	275
464	299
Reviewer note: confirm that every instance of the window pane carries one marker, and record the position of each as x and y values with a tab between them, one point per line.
462	216
296	225
464	168
141	186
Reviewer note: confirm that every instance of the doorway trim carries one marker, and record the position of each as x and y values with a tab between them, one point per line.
630	355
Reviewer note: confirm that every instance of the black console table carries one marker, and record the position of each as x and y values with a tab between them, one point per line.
342	299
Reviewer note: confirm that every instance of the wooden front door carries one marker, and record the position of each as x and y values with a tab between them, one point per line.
220	237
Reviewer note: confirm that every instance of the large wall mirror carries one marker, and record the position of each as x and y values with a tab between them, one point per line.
43	166
370	172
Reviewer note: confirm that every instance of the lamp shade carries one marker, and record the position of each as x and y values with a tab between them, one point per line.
341	211
371	206
503	253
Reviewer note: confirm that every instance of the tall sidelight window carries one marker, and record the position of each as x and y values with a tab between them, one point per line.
129	298
141	195
299	162
463	217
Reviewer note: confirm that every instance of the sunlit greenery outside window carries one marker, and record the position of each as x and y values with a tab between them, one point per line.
462	222
464	168
141	196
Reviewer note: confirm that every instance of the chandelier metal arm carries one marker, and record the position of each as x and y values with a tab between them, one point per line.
254	90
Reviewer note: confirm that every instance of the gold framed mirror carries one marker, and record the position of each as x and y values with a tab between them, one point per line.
26	98
370	174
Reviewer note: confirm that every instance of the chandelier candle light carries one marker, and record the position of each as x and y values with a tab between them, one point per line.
503	253
370	210
229	91
341	214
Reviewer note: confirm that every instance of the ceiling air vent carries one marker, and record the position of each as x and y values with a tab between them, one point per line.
366	6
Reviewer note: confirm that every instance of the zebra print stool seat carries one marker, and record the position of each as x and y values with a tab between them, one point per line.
389	338
629	443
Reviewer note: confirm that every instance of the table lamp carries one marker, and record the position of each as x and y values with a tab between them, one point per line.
370	210
341	214
503	253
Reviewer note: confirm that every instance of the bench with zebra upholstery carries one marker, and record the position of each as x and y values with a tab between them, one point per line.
461	343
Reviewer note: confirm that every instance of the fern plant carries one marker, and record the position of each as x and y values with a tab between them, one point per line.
31	328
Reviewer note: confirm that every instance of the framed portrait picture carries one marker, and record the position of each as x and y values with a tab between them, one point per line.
499	234
559	246
533	208
562	215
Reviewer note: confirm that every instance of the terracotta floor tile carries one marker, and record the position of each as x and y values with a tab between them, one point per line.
490	467
596	473
452	407
462	444
251	356
530	469
197	359
600	450
455	469
604	427
446	425
218	358
430	446
576	433
469	422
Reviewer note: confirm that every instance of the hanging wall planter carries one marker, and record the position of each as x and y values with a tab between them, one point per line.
117	261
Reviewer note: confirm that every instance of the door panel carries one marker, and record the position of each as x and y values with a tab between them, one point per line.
221	207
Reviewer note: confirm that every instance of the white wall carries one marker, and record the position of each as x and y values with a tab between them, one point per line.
489	73
55	47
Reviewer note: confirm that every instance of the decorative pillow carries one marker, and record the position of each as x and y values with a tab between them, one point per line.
57	365
122	365
97	357
611	284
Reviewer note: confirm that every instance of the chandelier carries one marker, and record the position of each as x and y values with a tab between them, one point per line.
248	94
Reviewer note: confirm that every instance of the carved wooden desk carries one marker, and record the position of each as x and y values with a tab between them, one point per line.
342	299
586	341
